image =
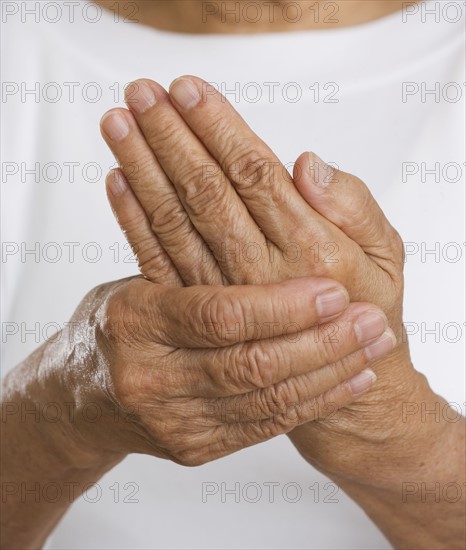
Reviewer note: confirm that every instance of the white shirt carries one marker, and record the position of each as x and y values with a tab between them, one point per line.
356	96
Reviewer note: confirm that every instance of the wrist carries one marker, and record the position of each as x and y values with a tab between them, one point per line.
87	416
424	451
94	423
57	395
386	426
40	407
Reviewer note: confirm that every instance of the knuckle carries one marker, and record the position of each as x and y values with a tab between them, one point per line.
224	315
245	162
132	224
361	187
213	446
152	261
117	316
192	458
247	166
189	456
276	402
196	448
282	396
215	310
124	317
175	439
358	187
203	189
255	366
169	217
340	180
262	430
198	455
276	425
362	198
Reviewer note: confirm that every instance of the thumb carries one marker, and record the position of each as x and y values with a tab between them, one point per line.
345	200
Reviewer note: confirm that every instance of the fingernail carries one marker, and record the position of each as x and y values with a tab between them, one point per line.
141	97
185	93
360	383
332	302
381	346
369	325
117	183
319	171
115	125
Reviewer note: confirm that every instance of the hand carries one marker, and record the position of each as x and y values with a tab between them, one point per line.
200	175
206	370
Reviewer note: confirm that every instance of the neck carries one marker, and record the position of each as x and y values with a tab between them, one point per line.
245	17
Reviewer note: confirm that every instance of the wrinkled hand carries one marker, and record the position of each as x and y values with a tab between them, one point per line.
201	372
200	176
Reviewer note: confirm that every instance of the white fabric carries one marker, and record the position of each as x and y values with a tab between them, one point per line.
370	131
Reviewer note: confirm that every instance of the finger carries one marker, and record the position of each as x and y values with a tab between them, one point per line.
346	201
206	317
211	202
293	392
154	191
257	174
232	437
257	368
152	259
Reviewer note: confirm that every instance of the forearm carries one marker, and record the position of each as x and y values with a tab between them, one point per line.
44	464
